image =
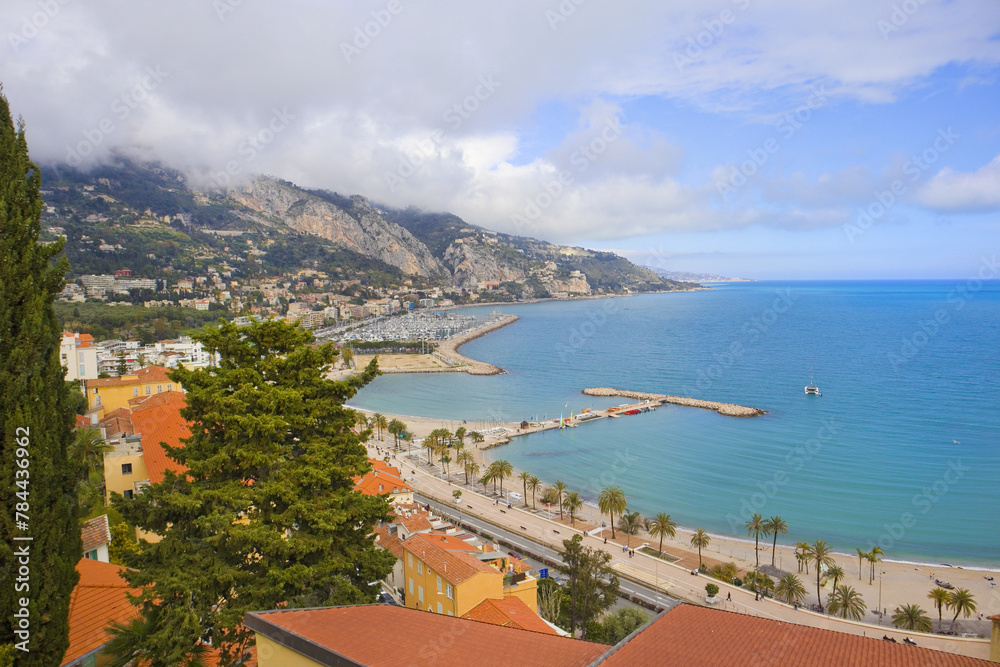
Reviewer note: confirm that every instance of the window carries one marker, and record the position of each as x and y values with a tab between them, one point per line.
79	357
92	555
83	370
149	388
449	591
95	390
439	583
97	401
410	556
420	594
440	608
420	567
170	387
128	494
126	468
135	391
411	586
159	389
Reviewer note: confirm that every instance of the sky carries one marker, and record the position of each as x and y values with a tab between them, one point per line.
766	139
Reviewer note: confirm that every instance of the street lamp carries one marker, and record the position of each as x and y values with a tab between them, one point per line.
880	614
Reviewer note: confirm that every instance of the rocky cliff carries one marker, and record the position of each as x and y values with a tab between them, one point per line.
351	222
469	264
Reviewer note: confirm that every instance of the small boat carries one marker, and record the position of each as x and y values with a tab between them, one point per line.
812	389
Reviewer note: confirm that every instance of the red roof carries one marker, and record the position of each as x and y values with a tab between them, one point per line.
82	340
82	422
381	480
389	541
138	403
390	636
454	566
96	532
158	422
689	635
141	376
449	542
510	612
98	599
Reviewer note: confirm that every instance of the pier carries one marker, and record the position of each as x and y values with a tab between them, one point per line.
728	409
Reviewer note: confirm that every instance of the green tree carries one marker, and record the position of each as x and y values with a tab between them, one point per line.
471	468
593	585
524	477
662	526
504	470
790	589
573	503
89	449
347	354
911	617
700	540
77	397
265	514
476	436
36	414
775	526
621	623
630	524
756	527
533	483
822	555
940	597
612	501
396	427
460	434
962	601
379	422
836	573
128	645
861	557
802	550
847	603
121	368
560	489
123	543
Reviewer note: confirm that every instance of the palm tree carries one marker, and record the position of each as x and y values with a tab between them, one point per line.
612	501
873	558
460	434
836	573
395	428
700	539
560	488
476	436
847	603
504	470
379	422
662	526
940	597
756	527
573	502
911	617
775	526
471	468
486	479
861	557
126	646
362	419
445	460
463	456
630	524
88	446
525	477
533	483
491	474
962	602
802	555
820	553
431	445
790	589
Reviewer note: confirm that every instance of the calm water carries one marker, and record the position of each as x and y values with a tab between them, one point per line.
902	449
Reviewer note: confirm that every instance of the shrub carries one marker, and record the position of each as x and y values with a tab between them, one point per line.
712	590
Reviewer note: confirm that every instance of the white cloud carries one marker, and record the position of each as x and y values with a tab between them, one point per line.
954	191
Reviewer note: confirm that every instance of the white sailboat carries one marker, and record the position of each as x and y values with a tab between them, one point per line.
812	389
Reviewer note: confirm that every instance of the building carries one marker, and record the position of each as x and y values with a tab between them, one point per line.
98	599
382	479
113	393
78	355
390	636
511	612
96	534
685	635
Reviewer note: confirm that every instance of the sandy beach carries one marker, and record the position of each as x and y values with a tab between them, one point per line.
895	583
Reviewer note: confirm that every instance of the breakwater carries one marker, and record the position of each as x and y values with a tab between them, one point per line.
728	409
448	350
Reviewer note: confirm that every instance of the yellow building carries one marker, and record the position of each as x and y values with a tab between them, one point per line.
113	393
124	469
444	581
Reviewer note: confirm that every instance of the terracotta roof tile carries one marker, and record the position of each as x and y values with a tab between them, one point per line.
161	422
363	632
389	541
82	422
143	402
453	566
98	599
376	482
509	612
141	376
689	635
96	532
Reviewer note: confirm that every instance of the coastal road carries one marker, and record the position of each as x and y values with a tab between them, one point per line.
642	570
528	547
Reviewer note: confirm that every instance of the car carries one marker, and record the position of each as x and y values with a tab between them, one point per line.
514	495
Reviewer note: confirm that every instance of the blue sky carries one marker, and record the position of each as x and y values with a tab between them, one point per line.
742	137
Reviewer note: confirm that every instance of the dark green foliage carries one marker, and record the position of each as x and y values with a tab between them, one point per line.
712	590
617	625
104	321
592	585
76	397
35	405
266	514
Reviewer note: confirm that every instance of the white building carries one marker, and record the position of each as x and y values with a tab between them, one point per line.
78	355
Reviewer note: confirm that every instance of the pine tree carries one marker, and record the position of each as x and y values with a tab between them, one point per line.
36	411
266	514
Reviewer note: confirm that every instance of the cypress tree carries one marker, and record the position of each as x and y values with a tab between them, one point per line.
265	514
36	419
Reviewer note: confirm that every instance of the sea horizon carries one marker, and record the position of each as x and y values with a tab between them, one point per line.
899	414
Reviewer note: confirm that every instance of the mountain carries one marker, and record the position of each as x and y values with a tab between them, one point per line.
696	277
146	217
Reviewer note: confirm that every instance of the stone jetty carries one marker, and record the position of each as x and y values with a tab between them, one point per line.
728	409
448	350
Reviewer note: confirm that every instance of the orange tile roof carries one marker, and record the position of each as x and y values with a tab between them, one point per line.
689	635
82	422
98	598
138	403
510	612
96	532
141	376
161	422
376	482
362	633
449	542
389	541
380	465
82	340
454	566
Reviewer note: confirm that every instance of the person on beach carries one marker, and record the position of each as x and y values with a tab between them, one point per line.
729	596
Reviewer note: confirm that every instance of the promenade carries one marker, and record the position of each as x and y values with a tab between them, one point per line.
674	580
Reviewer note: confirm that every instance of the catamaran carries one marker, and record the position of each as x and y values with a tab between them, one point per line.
811	388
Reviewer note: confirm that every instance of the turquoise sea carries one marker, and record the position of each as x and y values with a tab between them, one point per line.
901	450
